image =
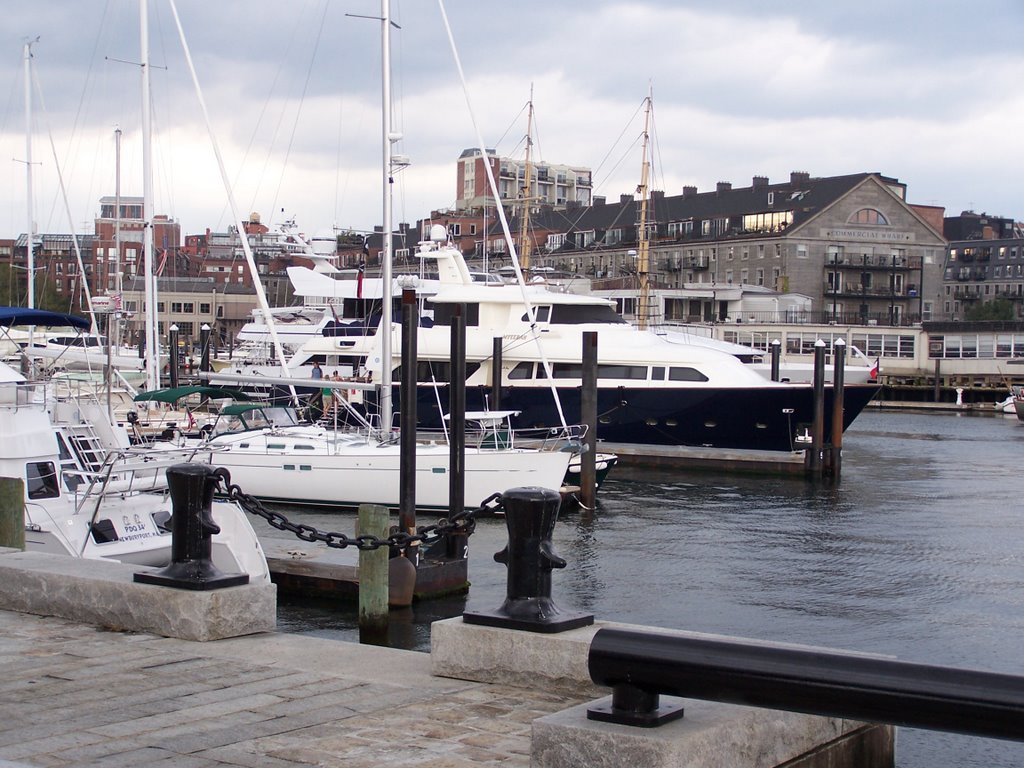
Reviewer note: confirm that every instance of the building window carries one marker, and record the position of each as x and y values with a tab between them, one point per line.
204	308
868	216
760	277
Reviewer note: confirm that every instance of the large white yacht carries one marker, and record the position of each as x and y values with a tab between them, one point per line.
652	388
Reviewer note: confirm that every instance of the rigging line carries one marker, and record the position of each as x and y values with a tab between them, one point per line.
67	206
263	113
619	138
531	310
302	101
512	125
625	154
250	261
88	78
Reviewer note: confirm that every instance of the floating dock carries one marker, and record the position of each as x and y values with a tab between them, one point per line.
690	457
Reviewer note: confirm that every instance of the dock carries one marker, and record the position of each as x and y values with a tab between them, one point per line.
693	457
75	694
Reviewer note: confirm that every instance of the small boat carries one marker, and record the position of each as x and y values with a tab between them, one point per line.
87	494
604	462
1014	403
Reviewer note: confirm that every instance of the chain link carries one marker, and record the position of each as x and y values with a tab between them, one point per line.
462	523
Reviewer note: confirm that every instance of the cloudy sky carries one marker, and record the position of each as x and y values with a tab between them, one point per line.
929	92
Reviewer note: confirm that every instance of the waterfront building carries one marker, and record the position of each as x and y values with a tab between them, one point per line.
852	244
553	185
984	263
189	303
118	244
56	265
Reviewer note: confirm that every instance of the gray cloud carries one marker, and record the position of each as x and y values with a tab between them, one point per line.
740	89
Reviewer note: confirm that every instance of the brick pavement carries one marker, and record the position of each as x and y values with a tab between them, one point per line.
74	695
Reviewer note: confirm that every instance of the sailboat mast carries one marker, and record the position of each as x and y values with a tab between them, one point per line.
30	259
118	286
643	256
524	214
385	272
149	275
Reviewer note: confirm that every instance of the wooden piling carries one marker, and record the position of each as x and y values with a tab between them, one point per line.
588	415
457	414
776	358
373	570
407	419
172	355
838	383
12	512
496	363
814	463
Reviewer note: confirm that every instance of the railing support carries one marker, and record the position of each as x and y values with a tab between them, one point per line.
809	680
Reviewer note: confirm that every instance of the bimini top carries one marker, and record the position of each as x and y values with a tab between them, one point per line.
173	395
25	316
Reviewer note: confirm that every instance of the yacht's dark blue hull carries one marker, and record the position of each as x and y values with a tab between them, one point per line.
767	419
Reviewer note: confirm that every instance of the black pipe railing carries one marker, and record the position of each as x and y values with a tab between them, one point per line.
640	666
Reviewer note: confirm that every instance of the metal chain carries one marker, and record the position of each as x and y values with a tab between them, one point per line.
462	523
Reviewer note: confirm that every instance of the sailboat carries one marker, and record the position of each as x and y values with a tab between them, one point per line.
317	464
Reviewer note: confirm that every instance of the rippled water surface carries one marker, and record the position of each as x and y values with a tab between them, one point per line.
915	553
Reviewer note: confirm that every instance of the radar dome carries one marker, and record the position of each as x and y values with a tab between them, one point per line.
438	234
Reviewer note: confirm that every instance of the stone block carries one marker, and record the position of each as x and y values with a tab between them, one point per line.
710	735
103	593
509	657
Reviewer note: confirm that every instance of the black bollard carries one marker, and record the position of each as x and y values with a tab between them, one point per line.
530	515
191	487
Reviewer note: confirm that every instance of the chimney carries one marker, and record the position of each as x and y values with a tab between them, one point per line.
799	177
625	199
723	186
599	200
689	192
760	182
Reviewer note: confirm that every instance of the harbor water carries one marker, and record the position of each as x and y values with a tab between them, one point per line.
916	553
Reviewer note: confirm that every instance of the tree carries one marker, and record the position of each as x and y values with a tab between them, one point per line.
1000	309
13	291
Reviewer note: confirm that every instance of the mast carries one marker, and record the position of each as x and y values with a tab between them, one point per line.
524	215
643	258
385	273
118	286
149	273
30	258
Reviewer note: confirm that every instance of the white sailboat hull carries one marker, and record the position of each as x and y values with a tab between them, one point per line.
360	472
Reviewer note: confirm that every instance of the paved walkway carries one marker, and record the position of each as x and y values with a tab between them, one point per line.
73	695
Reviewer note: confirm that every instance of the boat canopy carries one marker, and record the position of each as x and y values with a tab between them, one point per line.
25	316
174	394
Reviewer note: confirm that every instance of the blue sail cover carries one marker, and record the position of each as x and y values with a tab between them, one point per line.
25	316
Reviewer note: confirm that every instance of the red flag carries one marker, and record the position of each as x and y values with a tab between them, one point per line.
162	264
359	280
873	373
